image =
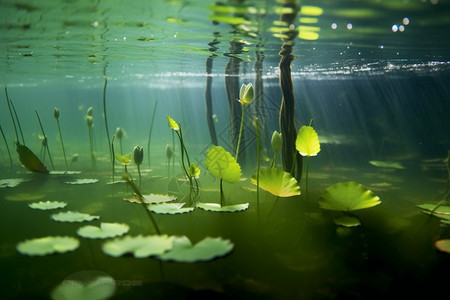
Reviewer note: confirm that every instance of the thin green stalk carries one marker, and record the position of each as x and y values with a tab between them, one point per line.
91	147
18	123
258	158
7	148
62	145
130	182
240	132
105	117
306	185
139	172
45	137
11	114
150	133
113	161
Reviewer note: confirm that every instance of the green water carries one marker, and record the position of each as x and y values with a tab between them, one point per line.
374	83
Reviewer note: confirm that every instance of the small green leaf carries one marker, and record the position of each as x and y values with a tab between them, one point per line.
347	221
46	205
140	246
73	216
174	125
222	165
170	208
106	230
48	245
385	164
194	170
215	207
307	142
443	245
277	182
348	196
124	160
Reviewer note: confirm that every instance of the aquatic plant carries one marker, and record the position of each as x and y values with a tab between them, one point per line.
119	135
90	124
105	231
140	246
276	143
48	245
82	181
47	205
277	182
105	116
169	155
347	197
443	245
258	158
221	164
150	133
124	160
86	288
307	144
245	98
7	148
190	170
56	114
45	138
29	160
170	208
73	216
138	155
74	159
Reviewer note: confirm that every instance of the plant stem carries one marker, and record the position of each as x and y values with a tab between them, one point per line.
18	123
113	161
104	115
91	147
45	137
62	145
7	148
221	193
240	132
10	113
150	133
139	172
258	158
306	185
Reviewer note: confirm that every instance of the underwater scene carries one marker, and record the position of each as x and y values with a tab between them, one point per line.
235	149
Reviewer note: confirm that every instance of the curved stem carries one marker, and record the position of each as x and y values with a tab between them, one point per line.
7	148
258	158
105	83
240	132
150	133
62	145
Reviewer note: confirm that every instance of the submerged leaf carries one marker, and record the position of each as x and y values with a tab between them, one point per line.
140	246
73	216
443	245
170	208
348	196
29	160
277	182
207	249
47	205
385	164
347	221
124	160
106	230
307	142
98	288
226	208
82	181
48	245
13	182
222	165
194	170
441	210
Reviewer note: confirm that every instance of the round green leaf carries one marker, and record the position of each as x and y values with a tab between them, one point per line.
277	182
222	165
48	245
106	230
307	142
73	216
140	246
207	249
170	208
46	205
348	196
347	221
226	208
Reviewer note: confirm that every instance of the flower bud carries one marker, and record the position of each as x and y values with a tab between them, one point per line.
90	111
119	133
246	94
138	152
56	113
276	141
89	121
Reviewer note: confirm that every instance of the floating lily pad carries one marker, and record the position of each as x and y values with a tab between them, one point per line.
205	250
384	164
226	208
347	221
441	210
222	165
24	197
82	181
64	172
277	182
140	246
11	182
307	142
170	208
348	196
106	230
48	245
152	199
73	216
443	245
46	205
98	288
